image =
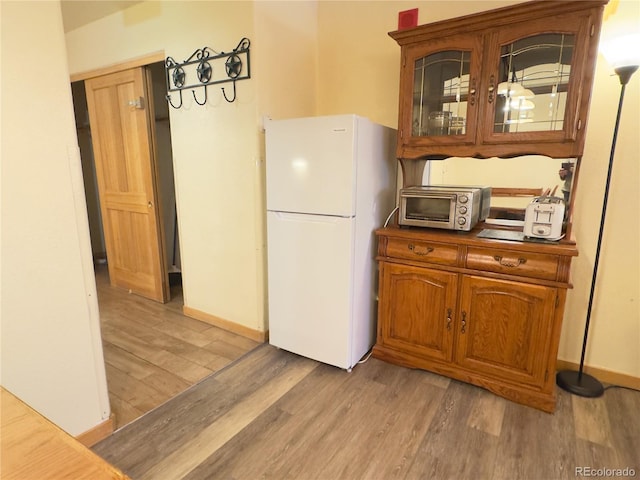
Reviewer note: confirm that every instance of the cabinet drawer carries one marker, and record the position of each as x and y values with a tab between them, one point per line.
525	264
422	251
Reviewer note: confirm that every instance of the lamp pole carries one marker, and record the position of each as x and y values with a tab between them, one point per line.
580	383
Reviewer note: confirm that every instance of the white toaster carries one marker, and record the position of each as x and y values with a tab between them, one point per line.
544	217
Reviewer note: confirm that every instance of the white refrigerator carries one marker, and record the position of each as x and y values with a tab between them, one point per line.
330	182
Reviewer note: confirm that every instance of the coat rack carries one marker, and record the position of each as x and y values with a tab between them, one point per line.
210	68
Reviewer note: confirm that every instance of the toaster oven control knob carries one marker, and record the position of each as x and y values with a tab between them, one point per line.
462	221
462	210
463	199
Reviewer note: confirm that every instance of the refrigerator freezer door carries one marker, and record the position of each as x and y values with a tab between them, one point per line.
310	285
311	165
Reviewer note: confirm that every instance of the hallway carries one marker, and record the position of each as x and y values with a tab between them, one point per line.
153	352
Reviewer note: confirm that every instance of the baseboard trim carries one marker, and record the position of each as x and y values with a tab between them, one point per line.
256	335
97	433
605	376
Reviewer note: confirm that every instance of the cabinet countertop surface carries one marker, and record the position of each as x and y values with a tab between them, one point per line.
33	447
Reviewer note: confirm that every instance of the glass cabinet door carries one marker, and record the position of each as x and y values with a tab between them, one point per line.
444	95
531	92
533	80
440	93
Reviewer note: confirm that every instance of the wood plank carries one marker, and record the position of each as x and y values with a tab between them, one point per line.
534	444
400	427
225	349
175	330
123	411
487	413
135	392
172	425
195	451
591	420
623	407
450	449
181	367
126	362
285	434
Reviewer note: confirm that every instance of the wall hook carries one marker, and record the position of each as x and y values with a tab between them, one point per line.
207	67
168	97
234	94
193	92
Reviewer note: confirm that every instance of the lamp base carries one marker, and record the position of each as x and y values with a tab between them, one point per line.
583	385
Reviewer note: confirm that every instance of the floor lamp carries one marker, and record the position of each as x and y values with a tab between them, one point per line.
580	383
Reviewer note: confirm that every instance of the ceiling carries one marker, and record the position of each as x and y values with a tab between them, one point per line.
76	13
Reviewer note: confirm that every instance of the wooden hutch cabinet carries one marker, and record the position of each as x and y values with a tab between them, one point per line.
510	82
468	86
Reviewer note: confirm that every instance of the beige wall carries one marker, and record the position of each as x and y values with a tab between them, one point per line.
51	354
614	337
218	148
215	148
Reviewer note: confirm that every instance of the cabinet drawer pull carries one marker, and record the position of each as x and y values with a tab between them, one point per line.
448	319
510	263
418	251
464	322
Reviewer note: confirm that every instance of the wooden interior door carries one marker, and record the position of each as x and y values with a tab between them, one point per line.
120	114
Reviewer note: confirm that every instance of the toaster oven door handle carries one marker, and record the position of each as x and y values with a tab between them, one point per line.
420	251
509	263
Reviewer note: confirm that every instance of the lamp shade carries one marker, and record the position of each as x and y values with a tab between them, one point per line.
621	51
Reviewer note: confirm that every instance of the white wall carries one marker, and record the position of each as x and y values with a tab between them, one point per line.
51	354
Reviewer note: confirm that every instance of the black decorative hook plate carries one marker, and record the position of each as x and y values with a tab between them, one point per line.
207	67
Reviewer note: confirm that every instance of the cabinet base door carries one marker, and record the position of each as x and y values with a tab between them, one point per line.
505	329
417	307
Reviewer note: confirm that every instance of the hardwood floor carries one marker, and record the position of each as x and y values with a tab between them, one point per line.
273	414
153	352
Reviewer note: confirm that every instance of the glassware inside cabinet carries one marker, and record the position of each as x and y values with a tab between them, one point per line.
533	83
440	93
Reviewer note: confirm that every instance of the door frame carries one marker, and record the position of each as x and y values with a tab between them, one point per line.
143	61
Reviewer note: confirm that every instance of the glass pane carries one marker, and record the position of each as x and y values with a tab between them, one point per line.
534	78
440	91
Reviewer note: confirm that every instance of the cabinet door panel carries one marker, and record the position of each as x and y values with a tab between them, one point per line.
443	80
506	328
532	86
417	308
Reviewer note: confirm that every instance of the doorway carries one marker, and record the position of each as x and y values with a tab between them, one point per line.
152	351
164	173
139	372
